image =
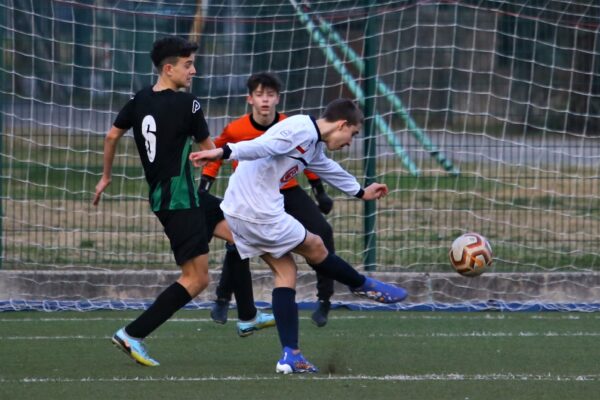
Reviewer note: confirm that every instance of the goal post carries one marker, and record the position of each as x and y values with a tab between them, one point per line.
507	93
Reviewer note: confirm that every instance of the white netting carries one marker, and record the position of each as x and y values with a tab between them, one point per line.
486	118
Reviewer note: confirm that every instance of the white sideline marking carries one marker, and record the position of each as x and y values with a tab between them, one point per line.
388	378
474	334
76	319
416	316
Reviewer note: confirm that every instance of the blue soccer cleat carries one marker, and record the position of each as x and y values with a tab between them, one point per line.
134	348
380	291
291	363
261	321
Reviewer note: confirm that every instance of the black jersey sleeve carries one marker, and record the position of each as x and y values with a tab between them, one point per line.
199	127
124	119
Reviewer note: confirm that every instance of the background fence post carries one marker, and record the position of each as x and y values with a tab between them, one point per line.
370	146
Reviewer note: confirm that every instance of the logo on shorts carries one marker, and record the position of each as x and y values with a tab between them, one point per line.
292	172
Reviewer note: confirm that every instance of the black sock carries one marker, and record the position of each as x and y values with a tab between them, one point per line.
324	287
166	304
285	311
336	268
240	282
225	286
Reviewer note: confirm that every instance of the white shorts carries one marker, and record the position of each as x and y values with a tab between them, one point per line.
277	239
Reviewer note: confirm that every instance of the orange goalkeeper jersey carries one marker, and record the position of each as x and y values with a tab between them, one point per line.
245	128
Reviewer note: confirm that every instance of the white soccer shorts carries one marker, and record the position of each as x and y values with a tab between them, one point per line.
277	239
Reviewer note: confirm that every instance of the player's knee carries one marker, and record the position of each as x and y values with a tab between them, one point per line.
317	250
194	275
198	284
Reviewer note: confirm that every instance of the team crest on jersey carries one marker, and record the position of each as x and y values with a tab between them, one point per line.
292	172
195	106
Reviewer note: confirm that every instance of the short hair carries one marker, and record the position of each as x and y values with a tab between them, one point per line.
343	109
167	48
266	79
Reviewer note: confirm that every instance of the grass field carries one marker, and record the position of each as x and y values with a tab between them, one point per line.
374	355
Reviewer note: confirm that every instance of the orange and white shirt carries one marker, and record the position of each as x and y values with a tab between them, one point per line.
245	128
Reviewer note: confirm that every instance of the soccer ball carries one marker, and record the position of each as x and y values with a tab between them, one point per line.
470	254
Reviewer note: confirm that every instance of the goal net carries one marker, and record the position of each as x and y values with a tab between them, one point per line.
482	116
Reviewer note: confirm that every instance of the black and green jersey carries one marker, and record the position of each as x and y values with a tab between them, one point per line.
164	124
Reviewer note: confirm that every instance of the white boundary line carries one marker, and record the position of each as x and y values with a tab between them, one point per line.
472	334
387	378
416	316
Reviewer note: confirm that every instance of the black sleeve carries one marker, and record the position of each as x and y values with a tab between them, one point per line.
199	127
125	118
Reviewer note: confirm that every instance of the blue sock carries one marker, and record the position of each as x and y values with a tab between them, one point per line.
334	267
285	311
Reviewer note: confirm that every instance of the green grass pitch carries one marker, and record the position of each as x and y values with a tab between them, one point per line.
362	355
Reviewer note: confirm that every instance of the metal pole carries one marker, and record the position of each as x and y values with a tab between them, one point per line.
3	89
370	150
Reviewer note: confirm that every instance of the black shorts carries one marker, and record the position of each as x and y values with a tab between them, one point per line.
301	206
190	230
212	212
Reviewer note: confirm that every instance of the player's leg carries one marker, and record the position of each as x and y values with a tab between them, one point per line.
273	243
235	277
299	205
285	310
223	292
250	319
224	289
186	232
324	292
334	267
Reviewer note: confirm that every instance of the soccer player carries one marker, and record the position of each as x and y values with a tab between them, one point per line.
164	122
253	207
263	96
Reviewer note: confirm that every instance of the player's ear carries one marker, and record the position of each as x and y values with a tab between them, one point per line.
249	100
341	124
167	68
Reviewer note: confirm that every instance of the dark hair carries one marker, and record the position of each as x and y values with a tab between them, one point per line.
170	47
266	79
343	109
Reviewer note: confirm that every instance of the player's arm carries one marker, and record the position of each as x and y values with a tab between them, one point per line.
324	202
333	173
211	169
274	142
110	146
206	144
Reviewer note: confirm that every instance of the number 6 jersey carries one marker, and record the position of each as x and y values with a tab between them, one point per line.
163	125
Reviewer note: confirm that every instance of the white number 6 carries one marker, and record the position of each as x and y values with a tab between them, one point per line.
149	132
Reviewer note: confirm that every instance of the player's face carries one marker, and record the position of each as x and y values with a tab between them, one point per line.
343	135
183	71
263	100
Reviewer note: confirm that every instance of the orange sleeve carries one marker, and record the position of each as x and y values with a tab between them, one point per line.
212	168
311	175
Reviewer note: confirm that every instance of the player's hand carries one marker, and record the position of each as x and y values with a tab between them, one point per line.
205	184
323	200
375	191
100	187
201	158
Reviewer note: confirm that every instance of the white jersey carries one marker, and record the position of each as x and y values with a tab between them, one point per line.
272	159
